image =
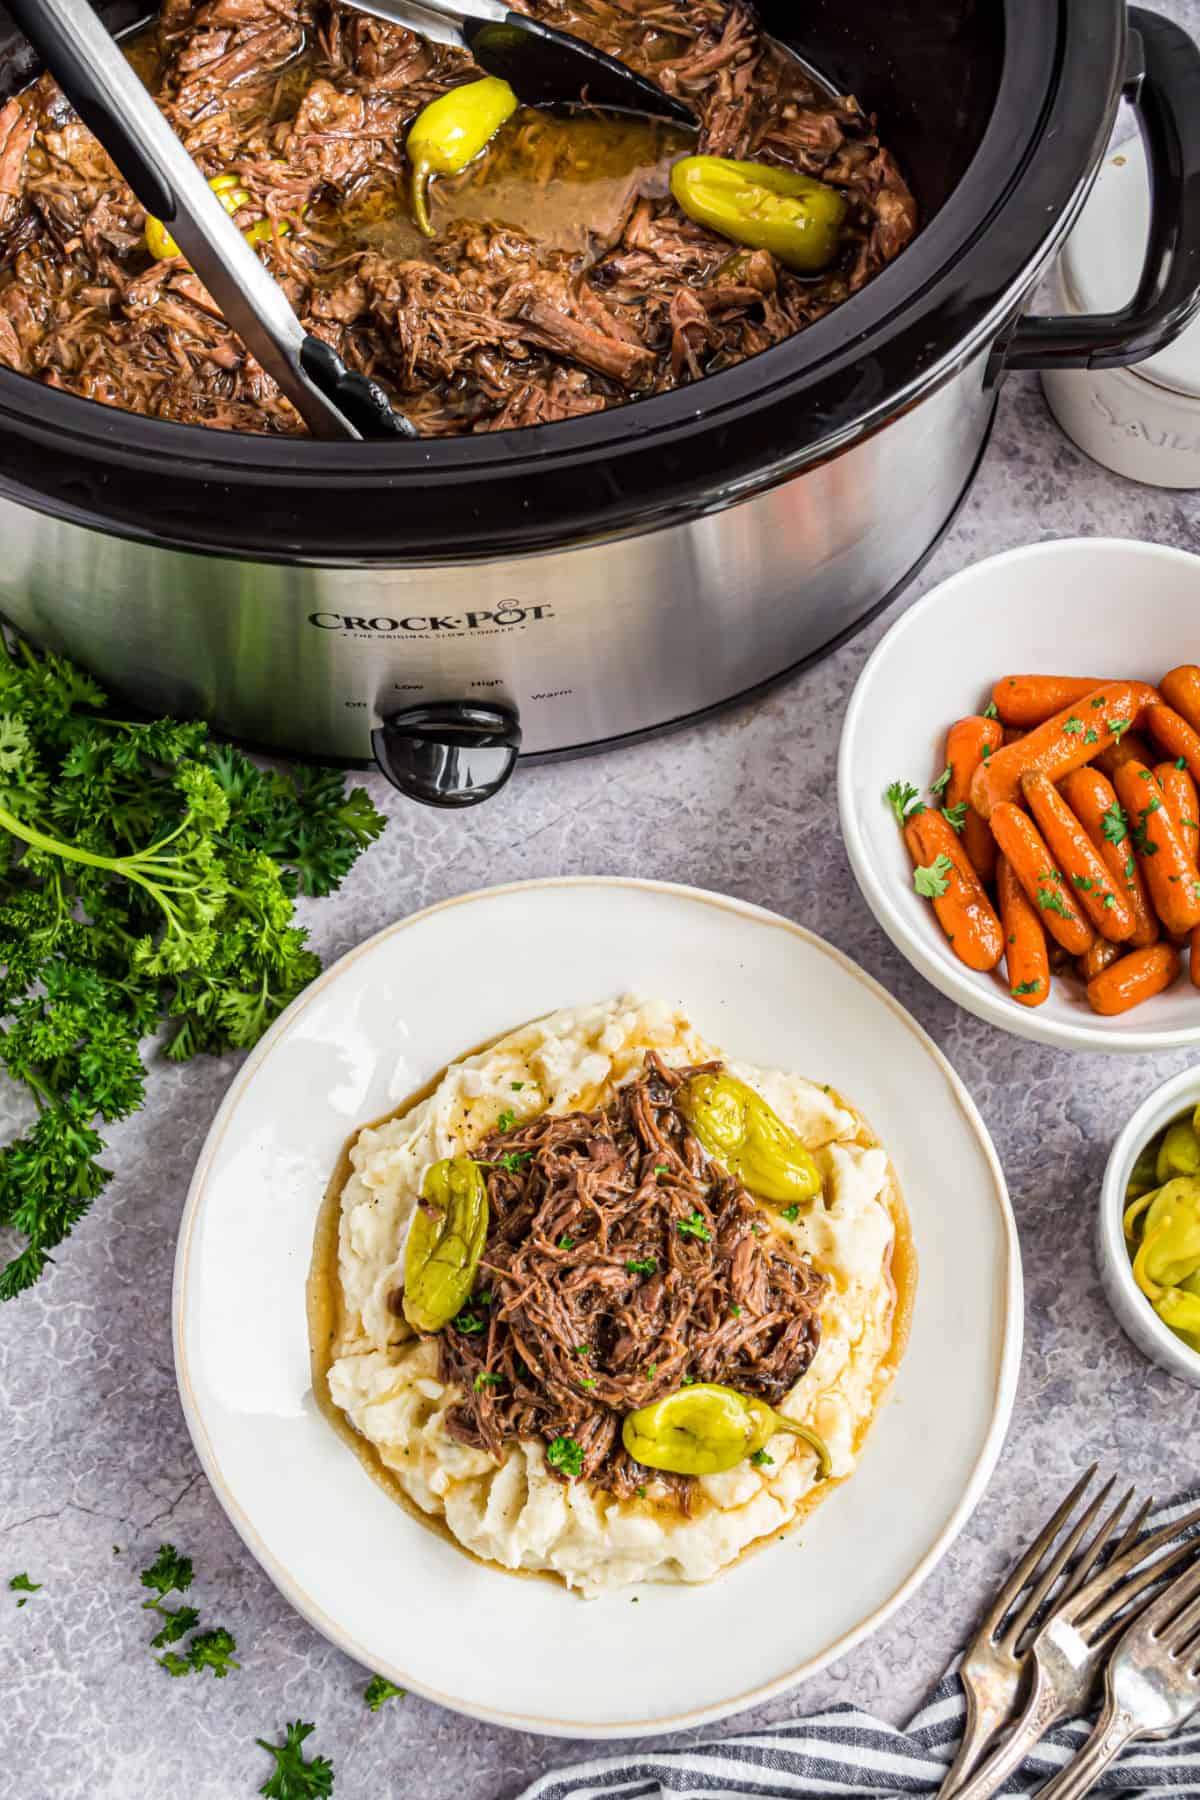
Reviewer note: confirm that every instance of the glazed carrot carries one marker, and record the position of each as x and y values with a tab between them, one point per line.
1023	844
1013	734
1172	731
1181	689
965	745
1134	978
1170	874
1098	895
963	910
1093	800
1179	798
1071	738
1133	747
1194	958
1024	940
1027	700
1098	958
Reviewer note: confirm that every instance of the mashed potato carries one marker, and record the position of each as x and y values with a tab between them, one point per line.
518	1514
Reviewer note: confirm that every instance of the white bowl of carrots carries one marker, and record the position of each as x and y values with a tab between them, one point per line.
1017	783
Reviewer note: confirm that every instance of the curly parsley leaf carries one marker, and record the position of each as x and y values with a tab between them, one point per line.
1027	987
21	1584
943	781
147	878
1114	824
565	1455
932	881
379	1689
296	1778
955	816
905	801
694	1226
169	1573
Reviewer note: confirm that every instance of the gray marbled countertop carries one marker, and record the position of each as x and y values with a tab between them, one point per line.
96	1459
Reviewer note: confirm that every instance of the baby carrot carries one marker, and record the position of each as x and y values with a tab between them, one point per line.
1072	849
966	742
1071	738
945	876
1092	799
1179	798
1027	700
1101	954
1172	731
1170	874
1022	843
1132	747
1181	689
1024	940
1133	978
1194	958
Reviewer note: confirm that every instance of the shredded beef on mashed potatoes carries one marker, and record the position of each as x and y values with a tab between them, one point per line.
575	1114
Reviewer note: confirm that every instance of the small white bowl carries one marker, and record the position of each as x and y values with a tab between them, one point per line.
1108	607
1135	1314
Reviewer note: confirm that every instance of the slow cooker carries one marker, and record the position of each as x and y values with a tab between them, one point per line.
446	605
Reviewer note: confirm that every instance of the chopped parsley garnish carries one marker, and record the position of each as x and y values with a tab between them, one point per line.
583	1349
661	1169
643	1265
565	1455
171	1573
512	1160
21	1584
1181	762
736	1310
1085	882
931	882
791	1213
989	711
640	1492
294	1777
1027	987
379	1689
516	1086
905	801
1114	823
694	1226
487	1378
507	1120
943	781
1098	701
987	753
761	1460
651	1372
1091	736
1073	726
955	816
1118	727
1190	824
469	1322
566	1241
587	1381
688	1381
1049	901
1140	840
1109	900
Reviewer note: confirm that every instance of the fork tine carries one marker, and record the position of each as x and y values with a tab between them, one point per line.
1094	1551
1062	1557
1184	1628
1158	1618
1022	1570
1119	1599
1115	1571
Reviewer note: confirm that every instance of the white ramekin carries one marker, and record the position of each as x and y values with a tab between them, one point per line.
1135	1314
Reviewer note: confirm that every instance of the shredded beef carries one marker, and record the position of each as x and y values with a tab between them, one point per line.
485	327
562	1336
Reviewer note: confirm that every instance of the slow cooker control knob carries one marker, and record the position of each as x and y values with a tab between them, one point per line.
449	752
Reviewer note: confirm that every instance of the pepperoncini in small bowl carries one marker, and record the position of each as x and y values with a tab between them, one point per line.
1148	1241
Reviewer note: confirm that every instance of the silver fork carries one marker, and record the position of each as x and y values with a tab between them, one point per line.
1068	1650
996	1662
1152	1685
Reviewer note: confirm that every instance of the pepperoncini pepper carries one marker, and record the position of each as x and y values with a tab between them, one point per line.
233	197
706	1429
445	1242
797	219
736	1125
1166	1261
1179	1152
451	132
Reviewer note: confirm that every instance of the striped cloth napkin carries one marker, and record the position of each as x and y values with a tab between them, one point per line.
846	1753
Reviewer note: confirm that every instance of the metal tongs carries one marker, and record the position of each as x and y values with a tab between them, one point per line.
333	401
542	66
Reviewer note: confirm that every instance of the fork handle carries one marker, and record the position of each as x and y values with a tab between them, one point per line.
1114	1729
1039	1713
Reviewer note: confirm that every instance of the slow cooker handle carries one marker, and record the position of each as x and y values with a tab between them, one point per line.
448	753
1163	84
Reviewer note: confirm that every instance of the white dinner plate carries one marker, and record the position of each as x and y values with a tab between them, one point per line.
400	1598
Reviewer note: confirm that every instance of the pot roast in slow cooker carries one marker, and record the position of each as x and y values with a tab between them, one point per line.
562	277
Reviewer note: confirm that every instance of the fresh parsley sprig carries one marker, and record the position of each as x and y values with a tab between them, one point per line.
295	1778
147	879
168	1574
379	1689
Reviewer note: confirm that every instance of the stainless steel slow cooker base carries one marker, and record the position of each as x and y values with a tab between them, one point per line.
601	641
